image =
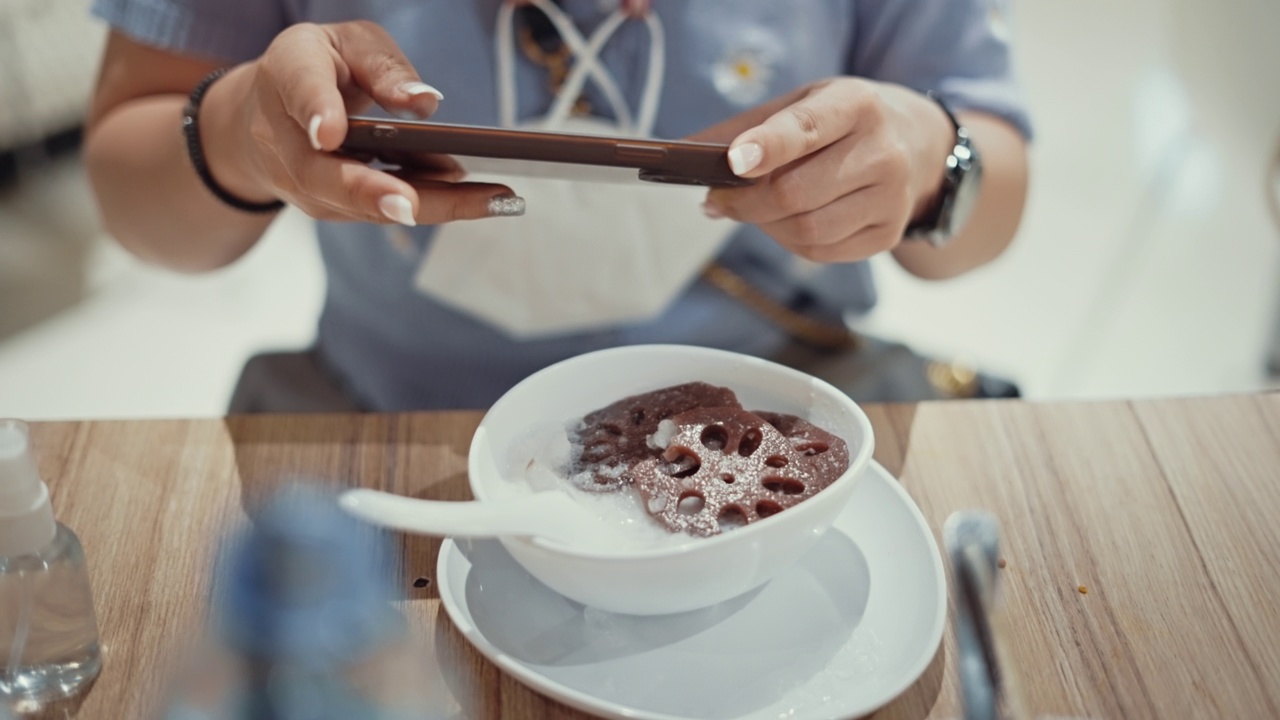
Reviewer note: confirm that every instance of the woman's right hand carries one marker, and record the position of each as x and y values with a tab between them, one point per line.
270	129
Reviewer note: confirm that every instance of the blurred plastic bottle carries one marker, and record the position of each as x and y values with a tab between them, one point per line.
48	632
303	628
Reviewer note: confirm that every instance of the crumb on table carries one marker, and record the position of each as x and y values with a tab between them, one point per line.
1001	564
1082	590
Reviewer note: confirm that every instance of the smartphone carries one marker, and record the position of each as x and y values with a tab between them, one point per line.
543	154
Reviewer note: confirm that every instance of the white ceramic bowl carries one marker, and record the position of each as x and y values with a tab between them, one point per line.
702	571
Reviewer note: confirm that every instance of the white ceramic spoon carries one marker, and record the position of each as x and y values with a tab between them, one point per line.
551	515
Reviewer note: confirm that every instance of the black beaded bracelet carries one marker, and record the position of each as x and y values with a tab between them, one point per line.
191	128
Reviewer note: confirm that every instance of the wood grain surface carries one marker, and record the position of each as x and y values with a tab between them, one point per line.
1165	512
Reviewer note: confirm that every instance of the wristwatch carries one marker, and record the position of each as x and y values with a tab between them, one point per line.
959	189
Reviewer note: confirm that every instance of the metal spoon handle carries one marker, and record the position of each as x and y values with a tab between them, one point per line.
988	685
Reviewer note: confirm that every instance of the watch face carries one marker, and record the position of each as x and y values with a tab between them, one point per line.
964	178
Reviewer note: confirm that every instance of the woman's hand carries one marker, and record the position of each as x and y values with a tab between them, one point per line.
270	129
843	167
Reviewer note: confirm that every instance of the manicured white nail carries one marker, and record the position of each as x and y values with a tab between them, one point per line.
414	89
744	158
506	206
711	211
397	208
313	131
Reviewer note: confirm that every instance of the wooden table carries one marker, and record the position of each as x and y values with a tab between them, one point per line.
1165	511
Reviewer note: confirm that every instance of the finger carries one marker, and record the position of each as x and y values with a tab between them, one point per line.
321	210
301	67
357	190
726	130
344	190
441	202
344	184
414	175
827	113
357	100
378	66
804	185
867	242
853	227
414	162
364	193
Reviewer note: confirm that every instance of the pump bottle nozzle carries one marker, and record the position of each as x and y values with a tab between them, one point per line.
26	518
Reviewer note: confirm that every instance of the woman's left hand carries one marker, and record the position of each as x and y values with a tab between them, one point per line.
843	166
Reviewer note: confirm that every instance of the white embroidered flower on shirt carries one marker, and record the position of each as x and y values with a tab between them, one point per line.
745	73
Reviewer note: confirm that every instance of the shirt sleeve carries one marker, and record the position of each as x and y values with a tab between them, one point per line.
960	49
230	31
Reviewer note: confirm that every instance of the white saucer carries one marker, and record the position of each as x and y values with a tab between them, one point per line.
840	634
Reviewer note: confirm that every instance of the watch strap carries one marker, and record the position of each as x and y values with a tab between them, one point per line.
926	227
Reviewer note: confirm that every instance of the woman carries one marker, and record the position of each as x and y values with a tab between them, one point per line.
823	103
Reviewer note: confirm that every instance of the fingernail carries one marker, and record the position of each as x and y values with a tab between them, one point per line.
313	131
744	158
414	89
409	115
506	206
711	211
397	208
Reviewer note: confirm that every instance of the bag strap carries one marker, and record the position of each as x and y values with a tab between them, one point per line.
586	65
797	325
654	75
